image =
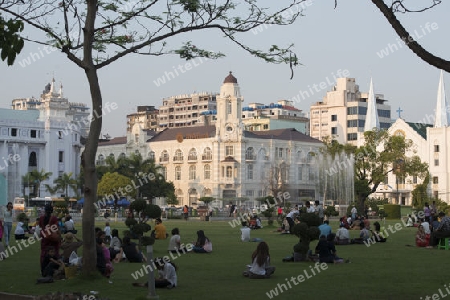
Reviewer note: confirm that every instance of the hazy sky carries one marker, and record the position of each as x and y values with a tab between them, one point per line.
353	39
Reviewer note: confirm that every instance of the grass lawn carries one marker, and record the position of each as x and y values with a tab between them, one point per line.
382	271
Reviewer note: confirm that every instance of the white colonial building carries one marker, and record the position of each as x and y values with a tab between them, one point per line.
225	161
45	137
431	144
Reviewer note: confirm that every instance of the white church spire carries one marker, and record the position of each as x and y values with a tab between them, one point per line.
61	90
372	113
52	86
442	117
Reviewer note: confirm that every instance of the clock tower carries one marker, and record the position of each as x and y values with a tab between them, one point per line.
229	110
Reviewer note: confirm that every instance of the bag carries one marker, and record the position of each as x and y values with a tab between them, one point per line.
208	246
74	259
54	236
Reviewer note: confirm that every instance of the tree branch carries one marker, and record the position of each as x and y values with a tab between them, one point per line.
389	14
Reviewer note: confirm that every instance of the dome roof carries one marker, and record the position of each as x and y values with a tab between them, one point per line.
230	79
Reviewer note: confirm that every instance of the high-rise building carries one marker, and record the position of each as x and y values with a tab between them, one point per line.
343	112
146	117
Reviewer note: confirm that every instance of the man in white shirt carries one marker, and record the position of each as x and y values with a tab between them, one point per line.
426	226
290	218
354	212
309	208
319	210
342	236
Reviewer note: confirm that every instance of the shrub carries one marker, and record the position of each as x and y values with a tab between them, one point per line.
392	211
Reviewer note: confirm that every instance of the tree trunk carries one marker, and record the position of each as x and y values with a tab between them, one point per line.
90	150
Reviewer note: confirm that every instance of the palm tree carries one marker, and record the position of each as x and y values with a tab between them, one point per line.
64	182
37	177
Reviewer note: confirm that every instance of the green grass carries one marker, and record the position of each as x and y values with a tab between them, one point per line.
382	271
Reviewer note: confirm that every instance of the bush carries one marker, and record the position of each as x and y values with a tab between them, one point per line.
330	211
392	211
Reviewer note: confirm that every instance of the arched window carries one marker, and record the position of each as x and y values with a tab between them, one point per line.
100	160
192	154
178	155
163	171
122	155
164	156
250	154
207	154
192	172
177	173
151	155
262	154
207	172
32	160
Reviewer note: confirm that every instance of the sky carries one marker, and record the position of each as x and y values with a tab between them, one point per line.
354	40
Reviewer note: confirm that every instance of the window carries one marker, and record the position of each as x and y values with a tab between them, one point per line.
32	160
300	173
229	107
164	156
229	172
352	136
436	148
333	118
60	135
436	162
266	126
177	173
192	172
414	181
207	172
13	131
33	133
151	155
229	151
61	156
436	194
311	173
280	152
352	123
207	154
250	154
192	154
435	180
352	110
178	155
250	172
333	130
249	193
164	172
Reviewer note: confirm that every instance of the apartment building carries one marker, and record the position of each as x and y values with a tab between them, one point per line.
342	113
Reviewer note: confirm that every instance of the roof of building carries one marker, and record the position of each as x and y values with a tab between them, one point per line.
22	115
114	141
180	133
282	134
230	79
420	128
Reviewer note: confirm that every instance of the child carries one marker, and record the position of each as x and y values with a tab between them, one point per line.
20	232
260	267
107	231
51	263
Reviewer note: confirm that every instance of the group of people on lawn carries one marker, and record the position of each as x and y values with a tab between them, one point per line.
432	228
57	252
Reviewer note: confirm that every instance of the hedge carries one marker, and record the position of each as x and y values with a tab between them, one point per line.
392	211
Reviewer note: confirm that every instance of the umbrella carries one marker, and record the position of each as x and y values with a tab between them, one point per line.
81	201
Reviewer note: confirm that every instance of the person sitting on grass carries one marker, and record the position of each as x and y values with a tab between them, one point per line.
245	232
175	242
167	272
69	244
203	244
422	239
364	235
160	230
327	251
443	231
132	251
51	263
115	247
342	235
377	235
19	233
260	267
